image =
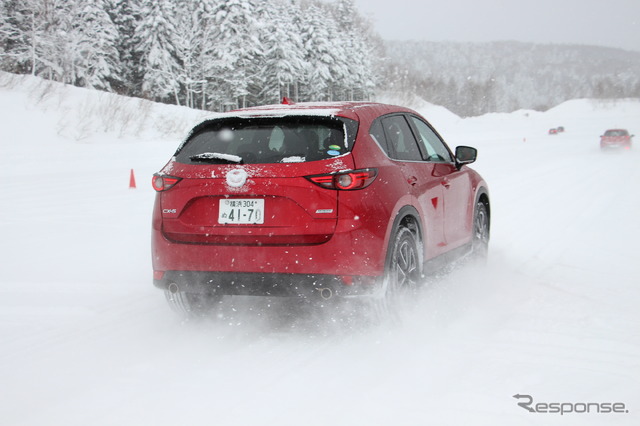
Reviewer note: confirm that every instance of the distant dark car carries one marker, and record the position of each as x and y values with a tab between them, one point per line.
325	200
560	129
615	138
553	131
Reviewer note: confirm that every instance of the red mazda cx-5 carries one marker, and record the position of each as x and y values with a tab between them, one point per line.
616	138
313	200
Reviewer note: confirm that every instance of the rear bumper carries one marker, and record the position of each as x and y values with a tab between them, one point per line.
254	284
615	145
354	252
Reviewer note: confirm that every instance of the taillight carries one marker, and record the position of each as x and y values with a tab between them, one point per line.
163	182
347	180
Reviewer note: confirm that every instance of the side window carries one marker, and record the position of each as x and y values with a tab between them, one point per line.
402	143
377	133
432	144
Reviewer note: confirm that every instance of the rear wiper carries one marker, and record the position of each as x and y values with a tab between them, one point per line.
216	156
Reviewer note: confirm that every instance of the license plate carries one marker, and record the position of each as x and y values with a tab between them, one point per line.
241	211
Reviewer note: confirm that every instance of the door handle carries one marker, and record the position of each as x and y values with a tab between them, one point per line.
445	182
412	180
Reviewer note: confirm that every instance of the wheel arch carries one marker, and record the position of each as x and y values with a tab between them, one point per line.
407	217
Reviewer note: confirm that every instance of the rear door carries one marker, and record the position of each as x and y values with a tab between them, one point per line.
242	183
419	177
456	184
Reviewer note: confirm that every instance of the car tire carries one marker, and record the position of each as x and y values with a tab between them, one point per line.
402	277
481	228
193	305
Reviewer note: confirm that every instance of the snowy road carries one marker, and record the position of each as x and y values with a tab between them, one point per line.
86	340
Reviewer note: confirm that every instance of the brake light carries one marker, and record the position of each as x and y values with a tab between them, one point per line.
163	182
345	181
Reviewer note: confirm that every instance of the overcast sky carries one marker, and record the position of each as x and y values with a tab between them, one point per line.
611	23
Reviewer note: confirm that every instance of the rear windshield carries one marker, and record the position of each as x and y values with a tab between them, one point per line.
268	140
616	133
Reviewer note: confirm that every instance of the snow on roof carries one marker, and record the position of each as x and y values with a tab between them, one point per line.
284	112
320	109
327	109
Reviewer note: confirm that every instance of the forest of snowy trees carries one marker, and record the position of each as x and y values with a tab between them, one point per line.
471	79
224	54
207	54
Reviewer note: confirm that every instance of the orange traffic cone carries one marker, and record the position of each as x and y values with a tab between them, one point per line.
132	180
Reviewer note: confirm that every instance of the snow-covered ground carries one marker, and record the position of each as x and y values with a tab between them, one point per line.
85	339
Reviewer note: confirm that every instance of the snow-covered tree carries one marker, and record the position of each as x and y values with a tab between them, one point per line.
357	50
158	64
31	36
237	51
194	49
15	29
97	60
321	54
283	65
125	18
57	42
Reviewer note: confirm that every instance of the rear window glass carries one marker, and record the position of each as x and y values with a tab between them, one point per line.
268	140
616	133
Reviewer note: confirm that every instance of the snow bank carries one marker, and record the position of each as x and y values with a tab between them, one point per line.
87	339
86	115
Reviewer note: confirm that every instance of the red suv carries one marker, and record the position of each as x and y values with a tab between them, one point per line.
615	138
313	200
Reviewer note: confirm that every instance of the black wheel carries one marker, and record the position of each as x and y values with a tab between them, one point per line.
192	305
480	242
403	275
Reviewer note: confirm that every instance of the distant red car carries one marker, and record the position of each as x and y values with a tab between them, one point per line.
313	200
616	138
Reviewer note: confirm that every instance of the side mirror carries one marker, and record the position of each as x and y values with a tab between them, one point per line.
466	155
